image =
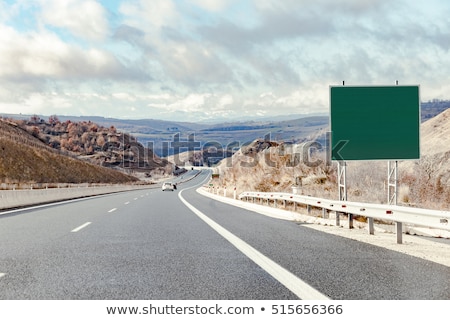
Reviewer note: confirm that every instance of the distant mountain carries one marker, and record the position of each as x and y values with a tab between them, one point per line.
265	118
432	108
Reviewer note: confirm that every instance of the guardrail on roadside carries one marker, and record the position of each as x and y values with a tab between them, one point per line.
397	214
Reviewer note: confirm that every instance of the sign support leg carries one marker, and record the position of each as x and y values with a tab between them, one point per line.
392	182
342	180
393	194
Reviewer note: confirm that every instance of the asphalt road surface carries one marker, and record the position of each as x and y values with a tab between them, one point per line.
154	245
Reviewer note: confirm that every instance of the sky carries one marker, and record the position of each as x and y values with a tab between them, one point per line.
210	60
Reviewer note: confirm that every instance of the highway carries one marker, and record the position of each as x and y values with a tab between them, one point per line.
154	245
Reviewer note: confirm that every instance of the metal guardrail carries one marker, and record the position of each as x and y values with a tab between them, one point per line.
397	214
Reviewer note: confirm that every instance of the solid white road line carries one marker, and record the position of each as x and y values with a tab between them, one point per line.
112	210
81	227
47	205
285	277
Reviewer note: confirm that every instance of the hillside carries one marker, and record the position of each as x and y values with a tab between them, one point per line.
428	180
435	137
268	166
24	158
89	141
156	134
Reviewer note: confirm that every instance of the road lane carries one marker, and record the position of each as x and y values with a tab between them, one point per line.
297	286
152	248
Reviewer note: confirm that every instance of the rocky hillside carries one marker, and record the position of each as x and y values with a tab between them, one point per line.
25	158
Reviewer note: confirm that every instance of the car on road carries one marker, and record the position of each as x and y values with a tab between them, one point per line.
168	186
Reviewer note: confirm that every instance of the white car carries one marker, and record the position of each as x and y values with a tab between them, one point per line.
168	186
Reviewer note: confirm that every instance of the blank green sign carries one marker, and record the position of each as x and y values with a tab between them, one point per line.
375	123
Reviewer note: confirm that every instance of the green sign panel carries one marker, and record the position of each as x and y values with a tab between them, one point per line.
375	123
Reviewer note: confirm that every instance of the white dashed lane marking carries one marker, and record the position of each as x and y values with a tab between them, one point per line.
81	227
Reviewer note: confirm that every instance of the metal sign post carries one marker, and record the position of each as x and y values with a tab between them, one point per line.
342	175
342	180
392	182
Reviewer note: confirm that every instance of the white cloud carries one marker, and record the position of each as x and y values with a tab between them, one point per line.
193	102
43	54
40	102
83	18
225	101
124	96
145	15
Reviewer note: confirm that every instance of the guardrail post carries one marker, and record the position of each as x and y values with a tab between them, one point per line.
225	192
370	222
350	221
324	213
308	207
338	222
234	193
399	232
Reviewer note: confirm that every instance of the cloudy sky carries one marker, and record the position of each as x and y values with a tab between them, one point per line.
200	60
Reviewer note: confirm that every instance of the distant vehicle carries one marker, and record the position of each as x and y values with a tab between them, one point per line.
168	186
